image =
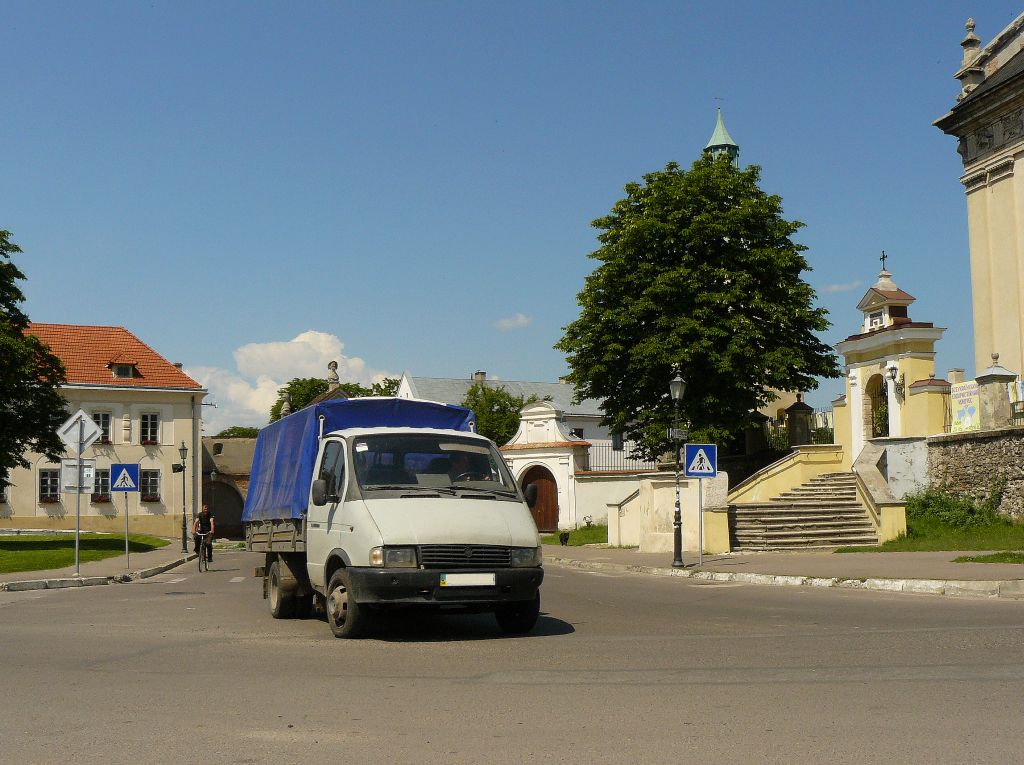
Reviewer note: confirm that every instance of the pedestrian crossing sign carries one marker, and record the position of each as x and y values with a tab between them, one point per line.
124	477
701	461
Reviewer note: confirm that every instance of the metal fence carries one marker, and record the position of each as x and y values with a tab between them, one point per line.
604	457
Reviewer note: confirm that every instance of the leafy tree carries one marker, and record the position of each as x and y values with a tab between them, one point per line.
31	406
238	431
386	387
496	410
302	390
697	273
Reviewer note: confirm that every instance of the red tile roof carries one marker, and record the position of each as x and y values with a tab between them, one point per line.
88	353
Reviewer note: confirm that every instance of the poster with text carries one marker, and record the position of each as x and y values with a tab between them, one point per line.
964	400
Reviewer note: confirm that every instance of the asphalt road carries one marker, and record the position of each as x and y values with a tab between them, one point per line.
621	668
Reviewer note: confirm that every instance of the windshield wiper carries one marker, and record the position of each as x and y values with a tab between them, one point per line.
485	492
410	488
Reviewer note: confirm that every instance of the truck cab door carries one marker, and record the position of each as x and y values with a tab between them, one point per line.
322	520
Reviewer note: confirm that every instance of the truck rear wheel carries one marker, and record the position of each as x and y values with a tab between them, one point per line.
520	616
282	606
346	617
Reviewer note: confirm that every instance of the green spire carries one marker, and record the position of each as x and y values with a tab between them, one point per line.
721	142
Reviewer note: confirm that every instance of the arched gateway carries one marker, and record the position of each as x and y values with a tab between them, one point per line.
545	511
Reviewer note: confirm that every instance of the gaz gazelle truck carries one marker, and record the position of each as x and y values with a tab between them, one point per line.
371	503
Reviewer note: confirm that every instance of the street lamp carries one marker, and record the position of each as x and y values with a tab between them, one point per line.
183	451
677	387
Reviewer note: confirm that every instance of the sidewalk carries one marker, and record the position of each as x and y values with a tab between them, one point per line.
107	571
932	573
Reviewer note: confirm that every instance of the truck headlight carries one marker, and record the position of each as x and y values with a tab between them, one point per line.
393	557
521	557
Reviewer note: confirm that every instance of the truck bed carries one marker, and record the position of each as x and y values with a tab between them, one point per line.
277	535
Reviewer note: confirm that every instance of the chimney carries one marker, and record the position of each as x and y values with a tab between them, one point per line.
479	375
955	376
177	365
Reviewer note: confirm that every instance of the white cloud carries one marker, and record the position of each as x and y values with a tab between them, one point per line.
515	322
244	396
833	288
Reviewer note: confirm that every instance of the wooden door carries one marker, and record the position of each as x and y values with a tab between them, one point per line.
545	512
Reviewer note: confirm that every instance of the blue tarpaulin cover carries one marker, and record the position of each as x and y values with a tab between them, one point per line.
282	464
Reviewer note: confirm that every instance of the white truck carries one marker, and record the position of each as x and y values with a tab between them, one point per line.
371	503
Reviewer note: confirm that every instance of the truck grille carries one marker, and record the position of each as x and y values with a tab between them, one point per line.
464	556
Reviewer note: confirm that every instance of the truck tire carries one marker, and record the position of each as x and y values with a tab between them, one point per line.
282	606
347	618
520	616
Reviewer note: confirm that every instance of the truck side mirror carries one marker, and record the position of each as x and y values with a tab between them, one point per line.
530	492
318	492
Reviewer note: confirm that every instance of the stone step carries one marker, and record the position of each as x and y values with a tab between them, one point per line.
803	522
835	539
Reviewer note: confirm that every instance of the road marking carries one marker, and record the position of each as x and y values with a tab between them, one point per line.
235	579
175	581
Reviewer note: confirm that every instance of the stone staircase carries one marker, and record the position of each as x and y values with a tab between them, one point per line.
822	513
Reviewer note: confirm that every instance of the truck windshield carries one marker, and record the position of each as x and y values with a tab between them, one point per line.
394	462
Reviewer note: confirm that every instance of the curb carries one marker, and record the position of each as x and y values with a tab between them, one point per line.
1007	589
92	581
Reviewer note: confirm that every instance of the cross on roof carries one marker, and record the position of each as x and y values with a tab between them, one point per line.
884	256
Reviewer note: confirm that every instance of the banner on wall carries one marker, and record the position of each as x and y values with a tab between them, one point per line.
966	410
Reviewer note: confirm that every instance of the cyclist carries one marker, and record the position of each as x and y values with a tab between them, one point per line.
203	524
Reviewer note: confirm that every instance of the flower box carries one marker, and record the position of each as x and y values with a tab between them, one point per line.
150	497
149	442
103	440
49	499
100	498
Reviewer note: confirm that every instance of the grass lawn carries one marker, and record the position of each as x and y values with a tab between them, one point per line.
40	552
587	535
1000	557
928	534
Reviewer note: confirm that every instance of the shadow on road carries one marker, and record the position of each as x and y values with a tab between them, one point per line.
426	626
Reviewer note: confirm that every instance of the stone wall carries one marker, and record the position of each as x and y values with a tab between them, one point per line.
969	463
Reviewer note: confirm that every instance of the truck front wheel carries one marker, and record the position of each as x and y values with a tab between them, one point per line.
282	606
520	616
347	618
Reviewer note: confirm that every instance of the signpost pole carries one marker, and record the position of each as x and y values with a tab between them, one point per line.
127	560
78	498
700	522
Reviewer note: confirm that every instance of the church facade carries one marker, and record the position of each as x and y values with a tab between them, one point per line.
988	122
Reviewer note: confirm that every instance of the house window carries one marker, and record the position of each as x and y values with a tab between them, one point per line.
101	485
3	496
149	485
875	320
577	433
123	371
49	486
102	420
617	442
150	429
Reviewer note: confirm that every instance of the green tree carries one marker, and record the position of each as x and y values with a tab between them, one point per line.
238	431
496	410
31	406
302	390
697	272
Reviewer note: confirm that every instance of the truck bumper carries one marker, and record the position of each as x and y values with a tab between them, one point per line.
419	586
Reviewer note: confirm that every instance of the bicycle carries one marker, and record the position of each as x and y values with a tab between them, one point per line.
201	548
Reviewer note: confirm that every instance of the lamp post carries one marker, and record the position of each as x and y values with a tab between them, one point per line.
677	387
183	451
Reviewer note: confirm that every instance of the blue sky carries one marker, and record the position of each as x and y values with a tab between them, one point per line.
410	186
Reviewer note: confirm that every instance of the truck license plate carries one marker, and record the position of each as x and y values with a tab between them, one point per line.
467	580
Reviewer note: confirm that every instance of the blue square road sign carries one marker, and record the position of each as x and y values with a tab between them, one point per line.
701	461
124	477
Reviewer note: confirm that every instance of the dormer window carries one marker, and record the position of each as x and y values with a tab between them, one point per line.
123	371
875	320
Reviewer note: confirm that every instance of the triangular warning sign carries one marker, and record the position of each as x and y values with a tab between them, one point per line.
700	463
124	481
